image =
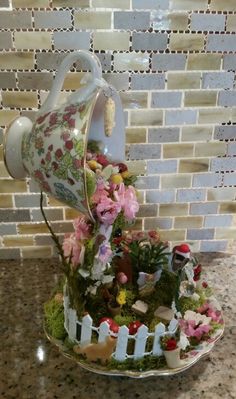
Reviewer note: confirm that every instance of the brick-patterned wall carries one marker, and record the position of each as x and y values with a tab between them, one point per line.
174	63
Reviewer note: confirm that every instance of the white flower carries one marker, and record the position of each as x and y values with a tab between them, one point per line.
197	317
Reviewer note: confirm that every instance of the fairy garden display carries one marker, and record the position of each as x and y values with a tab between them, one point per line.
127	301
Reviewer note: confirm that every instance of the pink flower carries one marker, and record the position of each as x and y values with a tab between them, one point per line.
72	247
82	228
209	311
100	192
128	201
193	329
107	210
105	252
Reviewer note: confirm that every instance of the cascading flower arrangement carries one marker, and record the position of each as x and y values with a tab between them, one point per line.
88	250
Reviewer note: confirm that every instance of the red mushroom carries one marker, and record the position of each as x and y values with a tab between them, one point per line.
134	326
114	327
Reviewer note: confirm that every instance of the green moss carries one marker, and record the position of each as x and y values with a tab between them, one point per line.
68	343
189	304
144	364
124	319
54	319
165	288
155	321
215	326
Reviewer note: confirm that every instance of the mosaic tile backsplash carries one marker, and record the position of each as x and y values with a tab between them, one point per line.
174	64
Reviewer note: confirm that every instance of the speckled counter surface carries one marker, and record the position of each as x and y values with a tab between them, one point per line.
31	368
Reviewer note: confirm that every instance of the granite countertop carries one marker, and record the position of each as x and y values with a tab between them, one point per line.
31	367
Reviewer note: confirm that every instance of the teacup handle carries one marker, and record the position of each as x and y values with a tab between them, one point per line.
82	55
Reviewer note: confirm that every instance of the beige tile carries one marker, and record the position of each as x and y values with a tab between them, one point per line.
63	95
6	201
221	194
30	3
197	133
62	227
233	114
146	117
200	98
214	115
137	167
228	207
20	99
169	235
18	241
188	221
183	80
177	150
213	149
187	42
92	20
170	21
54	202
176	181
111	41
73	81
193	165
131	61
188	4
71	213
131	99
13	186
32	228
3	170
178	21
135	135
122	4
201	61
71	3
219	5
231	23
173	209
17	60
33	40
7	116
225	234
37	252
138	225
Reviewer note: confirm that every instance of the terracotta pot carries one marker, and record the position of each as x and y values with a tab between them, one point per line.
173	358
53	149
114	311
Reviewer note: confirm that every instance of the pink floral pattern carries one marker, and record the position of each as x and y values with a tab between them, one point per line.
59	165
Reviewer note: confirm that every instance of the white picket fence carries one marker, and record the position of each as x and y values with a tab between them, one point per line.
81	332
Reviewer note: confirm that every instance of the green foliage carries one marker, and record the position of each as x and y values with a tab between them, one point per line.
54	319
166	287
130	180
144	364
96	307
68	343
119	223
215	326
90	182
124	319
190	304
94	146
148	257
